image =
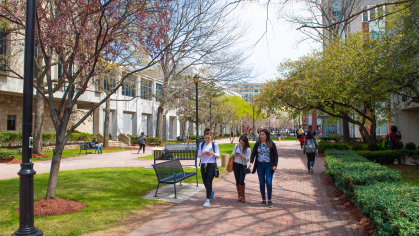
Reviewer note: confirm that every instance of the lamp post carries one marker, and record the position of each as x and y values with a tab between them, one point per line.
210	97
196	81
26	173
254	133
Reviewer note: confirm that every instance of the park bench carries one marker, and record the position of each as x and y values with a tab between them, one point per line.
86	146
170	171
173	147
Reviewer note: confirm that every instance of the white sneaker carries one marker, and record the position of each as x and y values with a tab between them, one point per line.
207	203
311	169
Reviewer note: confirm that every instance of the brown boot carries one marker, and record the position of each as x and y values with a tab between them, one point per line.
243	198
238	193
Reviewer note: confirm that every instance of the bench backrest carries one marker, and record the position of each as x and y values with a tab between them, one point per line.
160	155
174	147
166	169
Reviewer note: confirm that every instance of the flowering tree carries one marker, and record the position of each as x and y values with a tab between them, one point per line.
83	36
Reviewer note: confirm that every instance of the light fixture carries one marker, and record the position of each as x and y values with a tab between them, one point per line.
196	79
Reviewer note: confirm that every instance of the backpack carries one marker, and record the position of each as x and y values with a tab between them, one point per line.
141	139
213	146
310	146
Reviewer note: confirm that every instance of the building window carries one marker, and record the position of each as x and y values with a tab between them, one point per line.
158	92
129	87
3	52
256	91
109	84
146	89
11	122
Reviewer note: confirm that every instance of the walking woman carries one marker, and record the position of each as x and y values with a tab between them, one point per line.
241	154
265	163
300	137
310	148
208	152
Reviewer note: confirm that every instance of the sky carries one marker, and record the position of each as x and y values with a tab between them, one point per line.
280	42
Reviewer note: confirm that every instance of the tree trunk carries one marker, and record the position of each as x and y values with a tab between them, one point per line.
55	165
345	126
39	119
160	113
107	114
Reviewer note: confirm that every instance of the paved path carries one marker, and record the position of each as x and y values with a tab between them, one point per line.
117	159
301	206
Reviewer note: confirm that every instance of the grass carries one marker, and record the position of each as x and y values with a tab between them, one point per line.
291	138
410	176
111	194
74	153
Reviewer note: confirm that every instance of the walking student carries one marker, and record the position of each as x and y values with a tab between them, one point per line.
208	152
265	163
300	137
241	154
141	142
310	148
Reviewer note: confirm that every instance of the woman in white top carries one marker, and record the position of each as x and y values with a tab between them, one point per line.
241	154
208	152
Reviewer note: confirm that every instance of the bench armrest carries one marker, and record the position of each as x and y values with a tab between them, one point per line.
174	174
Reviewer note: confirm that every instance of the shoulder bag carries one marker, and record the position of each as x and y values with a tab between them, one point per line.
231	161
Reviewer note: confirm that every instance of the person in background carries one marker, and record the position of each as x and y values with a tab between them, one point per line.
241	154
300	137
231	136
310	149
395	137
141	141
265	158
95	144
208	152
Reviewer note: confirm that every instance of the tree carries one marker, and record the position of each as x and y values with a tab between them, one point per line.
81	36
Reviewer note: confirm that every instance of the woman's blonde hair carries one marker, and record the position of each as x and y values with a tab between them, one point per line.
301	131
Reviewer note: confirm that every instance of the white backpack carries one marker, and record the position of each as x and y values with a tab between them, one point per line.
310	146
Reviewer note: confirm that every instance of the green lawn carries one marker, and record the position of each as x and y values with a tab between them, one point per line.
111	194
410	176
74	153
290	138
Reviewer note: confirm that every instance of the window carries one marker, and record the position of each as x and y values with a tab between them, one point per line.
146	89
129	87
11	122
256	91
109	83
60	71
373	13
158	91
3	37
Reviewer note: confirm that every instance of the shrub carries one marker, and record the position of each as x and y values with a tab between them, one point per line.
410	146
48	138
78	137
374	147
348	170
358	147
392	208
192	137
403	154
381	157
8	154
153	141
323	146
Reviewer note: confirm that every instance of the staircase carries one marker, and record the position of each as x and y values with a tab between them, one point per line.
117	144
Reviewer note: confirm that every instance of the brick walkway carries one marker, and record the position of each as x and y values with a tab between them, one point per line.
301	206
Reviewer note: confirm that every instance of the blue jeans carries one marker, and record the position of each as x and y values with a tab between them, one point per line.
265	177
99	149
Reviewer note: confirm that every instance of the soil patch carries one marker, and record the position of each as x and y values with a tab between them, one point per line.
10	161
55	207
321	154
347	208
136	220
39	155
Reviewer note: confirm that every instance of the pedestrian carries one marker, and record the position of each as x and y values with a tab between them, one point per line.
208	152
265	158
141	141
95	144
238	134
241	154
395	138
310	149
231	136
300	137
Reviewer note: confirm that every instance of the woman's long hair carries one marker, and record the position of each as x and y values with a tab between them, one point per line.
309	135
246	143
268	138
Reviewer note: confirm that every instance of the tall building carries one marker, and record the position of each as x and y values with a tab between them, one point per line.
247	90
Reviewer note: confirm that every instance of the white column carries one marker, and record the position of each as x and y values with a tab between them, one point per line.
176	131
98	120
137	119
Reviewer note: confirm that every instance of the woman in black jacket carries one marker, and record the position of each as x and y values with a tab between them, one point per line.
266	162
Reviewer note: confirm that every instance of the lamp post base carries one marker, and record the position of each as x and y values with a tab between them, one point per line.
32	231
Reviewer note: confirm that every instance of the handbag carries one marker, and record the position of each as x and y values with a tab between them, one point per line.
231	162
217	171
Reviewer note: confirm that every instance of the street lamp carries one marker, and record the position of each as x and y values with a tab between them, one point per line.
196	81
254	134
26	173
210	97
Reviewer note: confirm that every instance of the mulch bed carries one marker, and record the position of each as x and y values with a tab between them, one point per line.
55	207
10	161
39	155
347	207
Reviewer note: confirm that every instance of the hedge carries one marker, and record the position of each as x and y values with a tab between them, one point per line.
358	147
380	157
323	146
8	154
392	208
348	170
13	139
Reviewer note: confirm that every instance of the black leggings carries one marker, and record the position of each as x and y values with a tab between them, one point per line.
310	159
239	173
142	146
207	173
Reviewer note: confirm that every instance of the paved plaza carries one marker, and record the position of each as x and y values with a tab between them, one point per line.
301	204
